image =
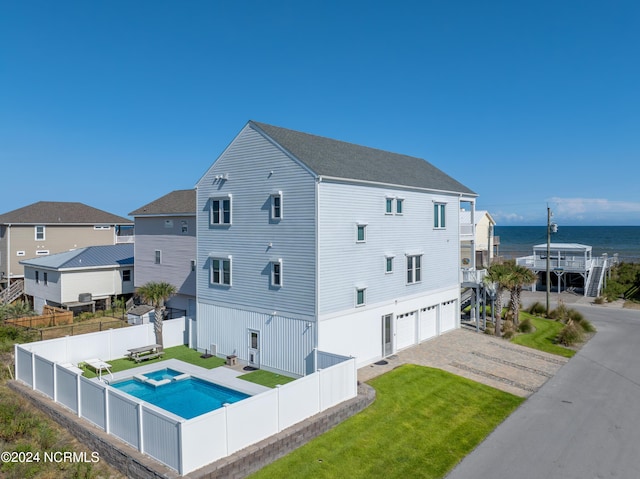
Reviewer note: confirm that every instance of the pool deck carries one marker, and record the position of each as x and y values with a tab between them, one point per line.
222	375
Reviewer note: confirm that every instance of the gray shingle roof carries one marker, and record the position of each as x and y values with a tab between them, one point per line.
61	212
178	202
338	159
89	257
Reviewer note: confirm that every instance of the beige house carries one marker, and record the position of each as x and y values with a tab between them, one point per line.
49	227
478	232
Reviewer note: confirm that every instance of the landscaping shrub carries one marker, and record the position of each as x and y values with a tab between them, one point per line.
587	326
525	326
560	313
599	300
571	334
575	315
537	309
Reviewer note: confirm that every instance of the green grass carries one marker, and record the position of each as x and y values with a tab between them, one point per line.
183	353
544	336
423	422
266	378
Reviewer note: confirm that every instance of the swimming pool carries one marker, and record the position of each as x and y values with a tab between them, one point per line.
187	398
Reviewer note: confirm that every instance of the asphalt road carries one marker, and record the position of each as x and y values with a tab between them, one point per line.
583	423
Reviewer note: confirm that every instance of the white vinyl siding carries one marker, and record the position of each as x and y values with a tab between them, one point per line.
396	235
257	170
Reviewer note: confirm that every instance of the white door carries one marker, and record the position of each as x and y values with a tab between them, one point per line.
254	348
387	335
448	316
405	330
428	323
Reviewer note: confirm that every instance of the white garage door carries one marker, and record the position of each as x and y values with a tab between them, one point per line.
448	316
405	330
428	322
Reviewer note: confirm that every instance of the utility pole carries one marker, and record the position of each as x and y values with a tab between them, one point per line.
548	254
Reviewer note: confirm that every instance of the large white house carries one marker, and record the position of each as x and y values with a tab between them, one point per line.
309	246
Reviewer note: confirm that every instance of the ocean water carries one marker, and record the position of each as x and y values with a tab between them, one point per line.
516	241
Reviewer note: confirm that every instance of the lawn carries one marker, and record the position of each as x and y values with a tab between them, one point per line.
183	353
543	338
423	422
266	378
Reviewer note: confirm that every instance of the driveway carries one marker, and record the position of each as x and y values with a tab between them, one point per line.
582	423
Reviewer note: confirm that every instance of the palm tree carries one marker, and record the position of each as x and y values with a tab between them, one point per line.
156	294
518	277
498	273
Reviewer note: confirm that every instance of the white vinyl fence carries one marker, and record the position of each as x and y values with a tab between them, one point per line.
184	445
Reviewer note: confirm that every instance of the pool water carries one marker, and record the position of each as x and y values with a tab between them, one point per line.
162	374
186	398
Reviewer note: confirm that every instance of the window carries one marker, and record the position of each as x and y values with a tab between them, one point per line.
37	277
276	206
168	223
126	275
276	273
414	269
389	206
39	233
221	211
184	227
158	257
399	203
193	265
20	253
388	264
102	227
439	215
45	278
360	296
221	271
361	234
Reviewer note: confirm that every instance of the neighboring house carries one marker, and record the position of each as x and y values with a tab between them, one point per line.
165	248
477	235
50	227
309	246
80	278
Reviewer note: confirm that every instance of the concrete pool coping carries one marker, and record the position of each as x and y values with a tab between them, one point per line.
221	375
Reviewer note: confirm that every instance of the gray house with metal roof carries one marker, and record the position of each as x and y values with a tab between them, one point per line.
81	277
165	247
310	247
49	227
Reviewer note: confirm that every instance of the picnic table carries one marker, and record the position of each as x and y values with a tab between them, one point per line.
143	353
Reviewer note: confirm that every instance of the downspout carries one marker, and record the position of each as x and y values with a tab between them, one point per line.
317	273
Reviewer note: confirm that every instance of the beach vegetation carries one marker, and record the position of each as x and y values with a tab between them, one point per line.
624	283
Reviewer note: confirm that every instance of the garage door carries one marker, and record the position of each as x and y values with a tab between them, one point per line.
428	322
448	316
405	330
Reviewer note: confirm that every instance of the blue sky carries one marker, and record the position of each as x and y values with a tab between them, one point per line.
529	103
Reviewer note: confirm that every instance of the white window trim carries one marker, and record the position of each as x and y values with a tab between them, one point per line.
386	259
438	216
221	199
273	206
413	269
277	262
388	200
42	252
20	253
364	230
221	259
35	234
364	296
157	256
400	201
192	265
101	227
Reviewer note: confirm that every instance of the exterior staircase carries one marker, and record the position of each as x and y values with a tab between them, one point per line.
13	292
595	281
